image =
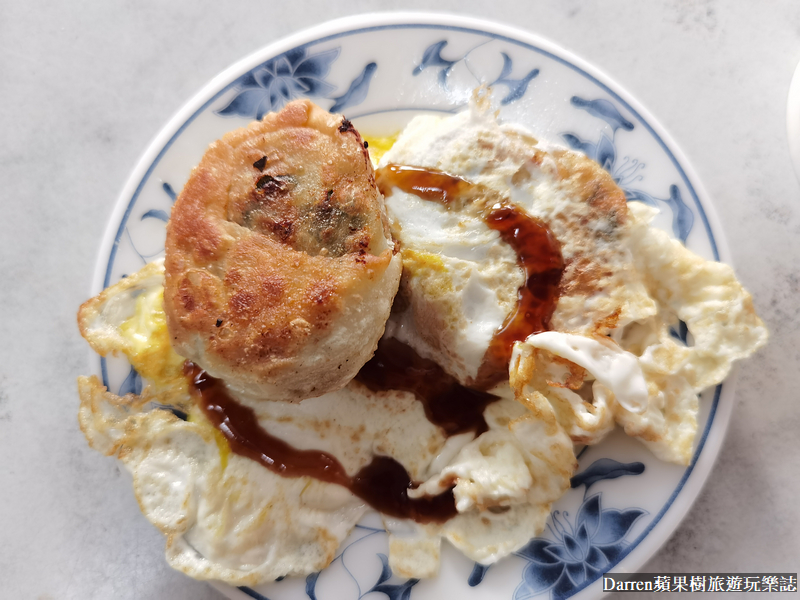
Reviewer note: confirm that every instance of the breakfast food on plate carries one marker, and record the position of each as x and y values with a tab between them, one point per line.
533	314
718	313
280	270
461	282
624	284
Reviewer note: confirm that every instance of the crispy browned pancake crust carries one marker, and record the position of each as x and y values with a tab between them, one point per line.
277	254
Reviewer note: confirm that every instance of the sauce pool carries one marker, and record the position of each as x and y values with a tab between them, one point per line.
448	404
383	483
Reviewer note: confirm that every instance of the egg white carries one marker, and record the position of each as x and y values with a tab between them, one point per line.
227	517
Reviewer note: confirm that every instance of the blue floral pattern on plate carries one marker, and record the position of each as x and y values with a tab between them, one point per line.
516	88
294	74
132	384
581	551
338	71
627	171
357	92
394	591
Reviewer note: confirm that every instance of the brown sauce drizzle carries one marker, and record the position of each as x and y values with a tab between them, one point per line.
448	404
538	254
383	483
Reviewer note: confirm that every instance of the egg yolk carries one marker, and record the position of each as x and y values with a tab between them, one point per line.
378	146
149	350
150	353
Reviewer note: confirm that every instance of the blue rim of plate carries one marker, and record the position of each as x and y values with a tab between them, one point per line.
237	70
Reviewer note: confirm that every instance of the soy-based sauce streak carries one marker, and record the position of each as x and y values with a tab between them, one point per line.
538	254
448	404
239	425
428	184
383	483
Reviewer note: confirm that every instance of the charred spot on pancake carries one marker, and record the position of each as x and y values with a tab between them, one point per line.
282	229
279	227
332	227
360	256
233	276
346	126
187	299
193	294
273	185
282	203
219	323
270	209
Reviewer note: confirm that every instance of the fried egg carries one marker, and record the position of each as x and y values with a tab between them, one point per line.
647	381
226	517
624	285
461	281
607	358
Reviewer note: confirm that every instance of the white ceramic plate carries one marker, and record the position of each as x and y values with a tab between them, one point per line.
793	120
380	71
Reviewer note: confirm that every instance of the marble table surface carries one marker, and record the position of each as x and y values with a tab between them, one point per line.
85	86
